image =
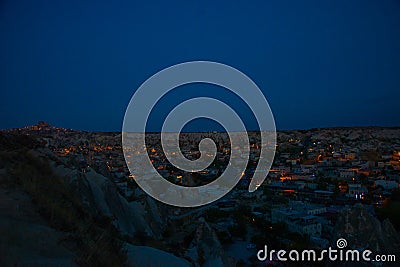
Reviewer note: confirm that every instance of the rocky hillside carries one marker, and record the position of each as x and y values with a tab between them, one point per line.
364	231
51	214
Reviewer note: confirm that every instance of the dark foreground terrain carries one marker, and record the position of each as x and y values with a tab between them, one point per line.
67	199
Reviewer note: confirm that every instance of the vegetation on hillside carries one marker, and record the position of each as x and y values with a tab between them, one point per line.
95	240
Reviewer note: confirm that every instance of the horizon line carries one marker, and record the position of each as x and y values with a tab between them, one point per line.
249	130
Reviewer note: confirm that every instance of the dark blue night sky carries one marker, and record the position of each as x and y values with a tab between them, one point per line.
76	64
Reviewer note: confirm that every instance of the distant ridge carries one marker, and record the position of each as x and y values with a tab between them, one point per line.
41	125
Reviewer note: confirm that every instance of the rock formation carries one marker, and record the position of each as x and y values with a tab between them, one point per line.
364	231
206	250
